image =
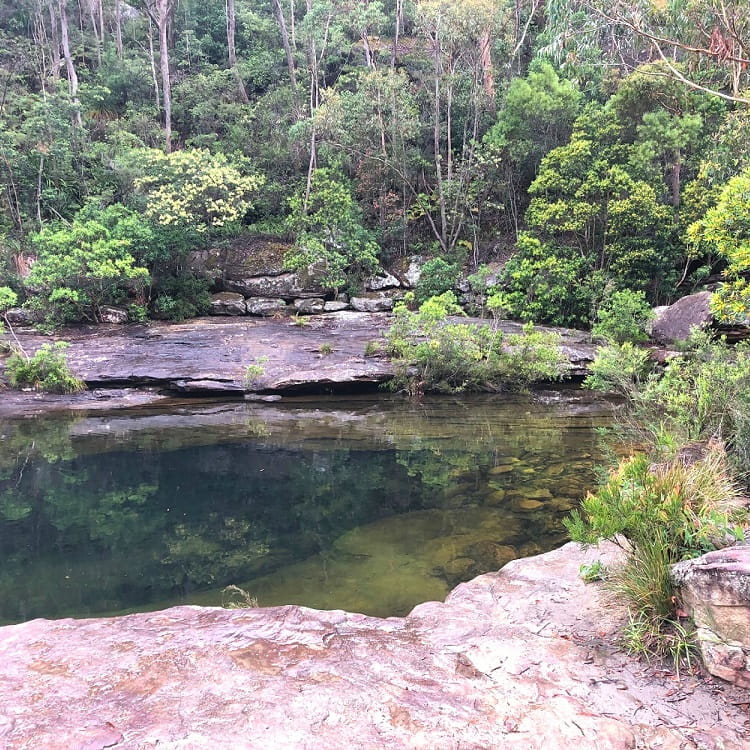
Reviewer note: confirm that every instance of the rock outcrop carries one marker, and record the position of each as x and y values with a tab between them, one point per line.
210	355
715	589
523	659
674	323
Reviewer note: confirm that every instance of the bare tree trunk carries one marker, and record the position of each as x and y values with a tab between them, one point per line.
160	11
152	60
166	88
40	41
397	34
91	7
232	52
72	77
488	75
118	28
54	33
279	13
437	149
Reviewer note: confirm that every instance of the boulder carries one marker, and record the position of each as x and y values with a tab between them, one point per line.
676	321
386	281
715	589
336	306
264	306
228	303
116	315
372	304
287	286
309	305
245	256
414	270
18	316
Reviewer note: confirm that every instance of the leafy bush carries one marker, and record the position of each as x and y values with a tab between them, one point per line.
46	370
543	284
619	368
181	297
660	514
432	354
437	277
82	266
327	225
623	317
8	299
702	394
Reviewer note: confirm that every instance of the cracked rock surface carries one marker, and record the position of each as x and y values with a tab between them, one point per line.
524	658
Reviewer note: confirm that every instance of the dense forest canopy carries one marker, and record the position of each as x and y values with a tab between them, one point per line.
598	145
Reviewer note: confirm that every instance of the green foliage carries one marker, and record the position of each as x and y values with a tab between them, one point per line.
254	372
8	299
195	189
542	284
725	231
46	370
84	265
327	226
181	297
432	354
595	571
436	277
619	368
623	317
660	514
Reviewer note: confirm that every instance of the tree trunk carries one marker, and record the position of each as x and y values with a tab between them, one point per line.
152	61
118	28
166	88
488	75
54	33
72	77
232	52
279	13
160	11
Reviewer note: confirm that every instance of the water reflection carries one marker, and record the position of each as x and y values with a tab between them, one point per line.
367	505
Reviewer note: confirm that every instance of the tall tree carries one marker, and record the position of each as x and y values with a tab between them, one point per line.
160	11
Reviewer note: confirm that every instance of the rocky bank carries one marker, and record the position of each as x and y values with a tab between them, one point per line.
209	356
524	658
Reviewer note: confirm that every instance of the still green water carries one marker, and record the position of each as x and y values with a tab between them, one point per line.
365	504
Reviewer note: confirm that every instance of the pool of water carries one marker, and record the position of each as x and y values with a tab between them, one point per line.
365	504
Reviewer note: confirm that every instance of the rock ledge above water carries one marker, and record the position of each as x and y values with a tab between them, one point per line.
525	658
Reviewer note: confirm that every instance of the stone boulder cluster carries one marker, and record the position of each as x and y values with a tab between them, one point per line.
250	279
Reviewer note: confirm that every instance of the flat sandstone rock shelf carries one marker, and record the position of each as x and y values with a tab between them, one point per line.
210	356
524	658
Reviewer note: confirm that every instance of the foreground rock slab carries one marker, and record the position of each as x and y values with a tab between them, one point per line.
524	658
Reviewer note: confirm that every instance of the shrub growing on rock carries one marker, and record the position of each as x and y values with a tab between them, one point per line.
45	370
431	353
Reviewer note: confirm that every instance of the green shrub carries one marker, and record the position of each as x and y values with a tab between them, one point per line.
619	368
46	370
623	317
254	372
431	354
8	299
181	297
660	514
436	278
